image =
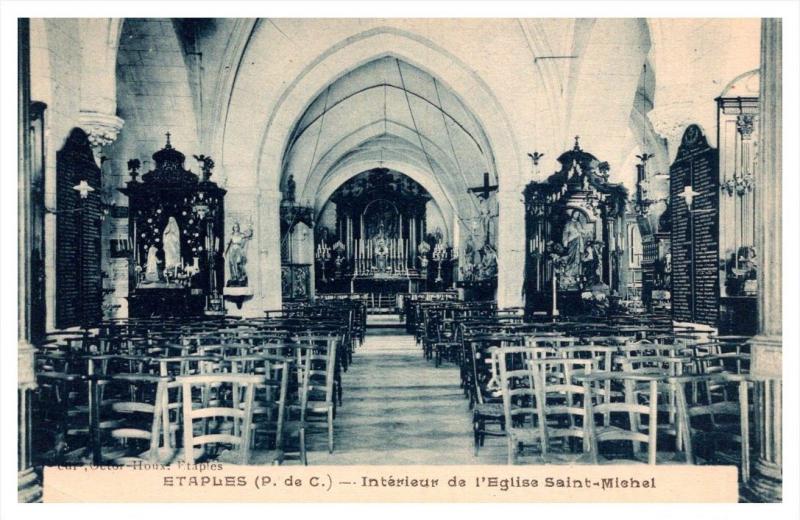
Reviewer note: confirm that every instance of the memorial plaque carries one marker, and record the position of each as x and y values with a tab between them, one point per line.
79	295
694	202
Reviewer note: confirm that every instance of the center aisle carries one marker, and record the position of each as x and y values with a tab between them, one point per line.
399	409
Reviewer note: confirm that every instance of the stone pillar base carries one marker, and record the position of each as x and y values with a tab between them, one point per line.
762	489
28	487
766	364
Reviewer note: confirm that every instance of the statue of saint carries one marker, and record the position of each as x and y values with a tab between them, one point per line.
572	238
236	256
486	217
488	262
291	186
151	268
591	264
171	240
381	249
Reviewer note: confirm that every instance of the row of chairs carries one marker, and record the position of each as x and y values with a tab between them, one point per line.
596	389
568	411
242	390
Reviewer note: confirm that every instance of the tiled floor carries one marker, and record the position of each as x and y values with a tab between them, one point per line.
399	409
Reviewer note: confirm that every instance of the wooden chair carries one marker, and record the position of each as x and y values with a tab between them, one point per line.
619	420
271	396
232	411
316	366
522	404
715	427
147	428
562	408
488	417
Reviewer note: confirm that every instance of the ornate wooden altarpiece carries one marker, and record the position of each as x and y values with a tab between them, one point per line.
574	228
381	243
176	228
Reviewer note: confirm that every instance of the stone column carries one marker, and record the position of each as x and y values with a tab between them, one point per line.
28	488
510	248
268	293
766	347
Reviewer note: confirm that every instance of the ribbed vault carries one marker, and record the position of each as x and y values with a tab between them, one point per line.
389	111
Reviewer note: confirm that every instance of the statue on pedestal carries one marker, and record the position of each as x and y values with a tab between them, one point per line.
573	240
236	256
151	268
171	239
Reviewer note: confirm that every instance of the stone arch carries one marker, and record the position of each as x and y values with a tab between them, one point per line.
359	49
400	133
341	175
259	170
363	48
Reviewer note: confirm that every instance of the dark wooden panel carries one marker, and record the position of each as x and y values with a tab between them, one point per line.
79	295
695	230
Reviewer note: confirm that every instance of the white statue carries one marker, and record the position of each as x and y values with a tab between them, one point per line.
171	239
151	269
572	239
236	256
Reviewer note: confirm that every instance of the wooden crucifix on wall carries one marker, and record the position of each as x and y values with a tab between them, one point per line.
483	193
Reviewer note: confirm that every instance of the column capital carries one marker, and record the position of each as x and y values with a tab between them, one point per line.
102	129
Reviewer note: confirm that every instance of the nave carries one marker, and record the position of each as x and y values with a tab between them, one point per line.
404	250
401	409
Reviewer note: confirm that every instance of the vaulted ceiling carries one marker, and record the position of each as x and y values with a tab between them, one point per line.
388	111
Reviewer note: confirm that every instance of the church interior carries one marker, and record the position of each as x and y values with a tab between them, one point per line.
396	241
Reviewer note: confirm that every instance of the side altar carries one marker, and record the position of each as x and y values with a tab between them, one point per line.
574	225
176	236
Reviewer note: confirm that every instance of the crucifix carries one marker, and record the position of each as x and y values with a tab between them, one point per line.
483	193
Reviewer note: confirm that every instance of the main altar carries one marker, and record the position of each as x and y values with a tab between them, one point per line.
380	243
575	222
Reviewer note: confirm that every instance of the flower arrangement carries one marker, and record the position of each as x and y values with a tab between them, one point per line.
596	298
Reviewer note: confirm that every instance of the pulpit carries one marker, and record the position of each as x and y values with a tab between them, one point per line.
176	235
575	221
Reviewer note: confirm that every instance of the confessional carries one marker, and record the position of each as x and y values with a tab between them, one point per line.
575	225
176	238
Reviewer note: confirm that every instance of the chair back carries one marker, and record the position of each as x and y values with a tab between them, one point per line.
228	400
711	422
618	416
